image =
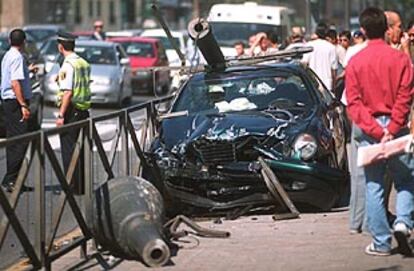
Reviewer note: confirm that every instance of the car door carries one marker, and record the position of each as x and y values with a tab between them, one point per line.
126	71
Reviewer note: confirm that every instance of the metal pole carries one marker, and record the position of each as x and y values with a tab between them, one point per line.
39	182
347	13
125	146
308	17
196	8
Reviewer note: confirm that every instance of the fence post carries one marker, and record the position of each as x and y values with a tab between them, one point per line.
39	182
124	155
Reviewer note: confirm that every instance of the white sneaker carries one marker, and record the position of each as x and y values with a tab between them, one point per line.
402	235
401	227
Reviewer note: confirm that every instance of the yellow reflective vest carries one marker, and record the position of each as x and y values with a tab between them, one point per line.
81	92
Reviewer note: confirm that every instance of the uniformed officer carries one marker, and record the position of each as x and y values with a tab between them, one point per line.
74	100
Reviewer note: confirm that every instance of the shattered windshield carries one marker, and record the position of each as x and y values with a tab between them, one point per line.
238	92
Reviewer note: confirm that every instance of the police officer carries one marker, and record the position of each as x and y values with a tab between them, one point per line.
74	100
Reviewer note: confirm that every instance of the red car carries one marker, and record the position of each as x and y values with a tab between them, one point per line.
146	53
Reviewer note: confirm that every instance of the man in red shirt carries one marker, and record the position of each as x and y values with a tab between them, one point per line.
379	93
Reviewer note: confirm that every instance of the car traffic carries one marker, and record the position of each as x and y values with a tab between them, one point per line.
146	53
110	73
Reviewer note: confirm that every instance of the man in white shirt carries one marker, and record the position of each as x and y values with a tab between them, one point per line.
322	60
332	37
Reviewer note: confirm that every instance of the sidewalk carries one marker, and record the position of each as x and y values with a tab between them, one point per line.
313	242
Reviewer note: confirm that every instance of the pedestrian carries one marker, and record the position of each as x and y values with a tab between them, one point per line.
357	217
345	39
261	45
74	101
16	93
98	33
239	48
322	60
394	34
410	34
296	40
273	41
332	37
379	94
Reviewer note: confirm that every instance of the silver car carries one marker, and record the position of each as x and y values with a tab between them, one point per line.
110	73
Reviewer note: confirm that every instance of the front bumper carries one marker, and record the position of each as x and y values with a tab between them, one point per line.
241	184
101	94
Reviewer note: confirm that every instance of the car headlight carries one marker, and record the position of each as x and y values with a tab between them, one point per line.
305	145
101	81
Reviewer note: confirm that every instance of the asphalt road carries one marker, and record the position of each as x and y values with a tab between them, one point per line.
11	249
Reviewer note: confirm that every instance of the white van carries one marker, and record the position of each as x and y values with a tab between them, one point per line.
237	22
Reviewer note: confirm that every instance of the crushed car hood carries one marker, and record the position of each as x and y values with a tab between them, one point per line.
222	126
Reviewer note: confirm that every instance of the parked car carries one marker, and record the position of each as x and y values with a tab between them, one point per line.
50	53
146	53
42	32
32	55
123	33
220	123
83	35
110	73
171	53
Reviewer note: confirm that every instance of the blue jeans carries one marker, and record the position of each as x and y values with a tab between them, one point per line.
400	168
357	217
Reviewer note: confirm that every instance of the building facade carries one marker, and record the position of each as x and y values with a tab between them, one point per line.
76	15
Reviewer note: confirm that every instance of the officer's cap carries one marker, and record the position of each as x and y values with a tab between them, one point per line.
65	36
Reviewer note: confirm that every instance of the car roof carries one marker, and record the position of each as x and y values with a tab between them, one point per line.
29	37
124	33
136	39
161	33
43	26
280	66
94	43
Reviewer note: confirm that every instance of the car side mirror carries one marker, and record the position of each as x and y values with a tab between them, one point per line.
124	61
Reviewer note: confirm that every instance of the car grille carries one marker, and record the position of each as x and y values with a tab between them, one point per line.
217	152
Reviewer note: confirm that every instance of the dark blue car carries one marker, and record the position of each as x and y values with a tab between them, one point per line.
220	123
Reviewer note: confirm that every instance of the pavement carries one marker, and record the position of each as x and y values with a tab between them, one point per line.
315	241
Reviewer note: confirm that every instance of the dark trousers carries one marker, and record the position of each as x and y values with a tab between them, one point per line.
15	152
68	142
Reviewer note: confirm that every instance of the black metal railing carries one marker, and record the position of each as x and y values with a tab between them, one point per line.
127	148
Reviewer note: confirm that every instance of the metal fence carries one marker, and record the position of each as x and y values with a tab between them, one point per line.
38	224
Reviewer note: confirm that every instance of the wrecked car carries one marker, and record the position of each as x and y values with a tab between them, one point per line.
220	123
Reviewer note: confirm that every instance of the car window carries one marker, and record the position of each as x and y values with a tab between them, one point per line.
166	42
41	34
323	93
50	48
141	49
120	52
97	54
4	44
236	93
